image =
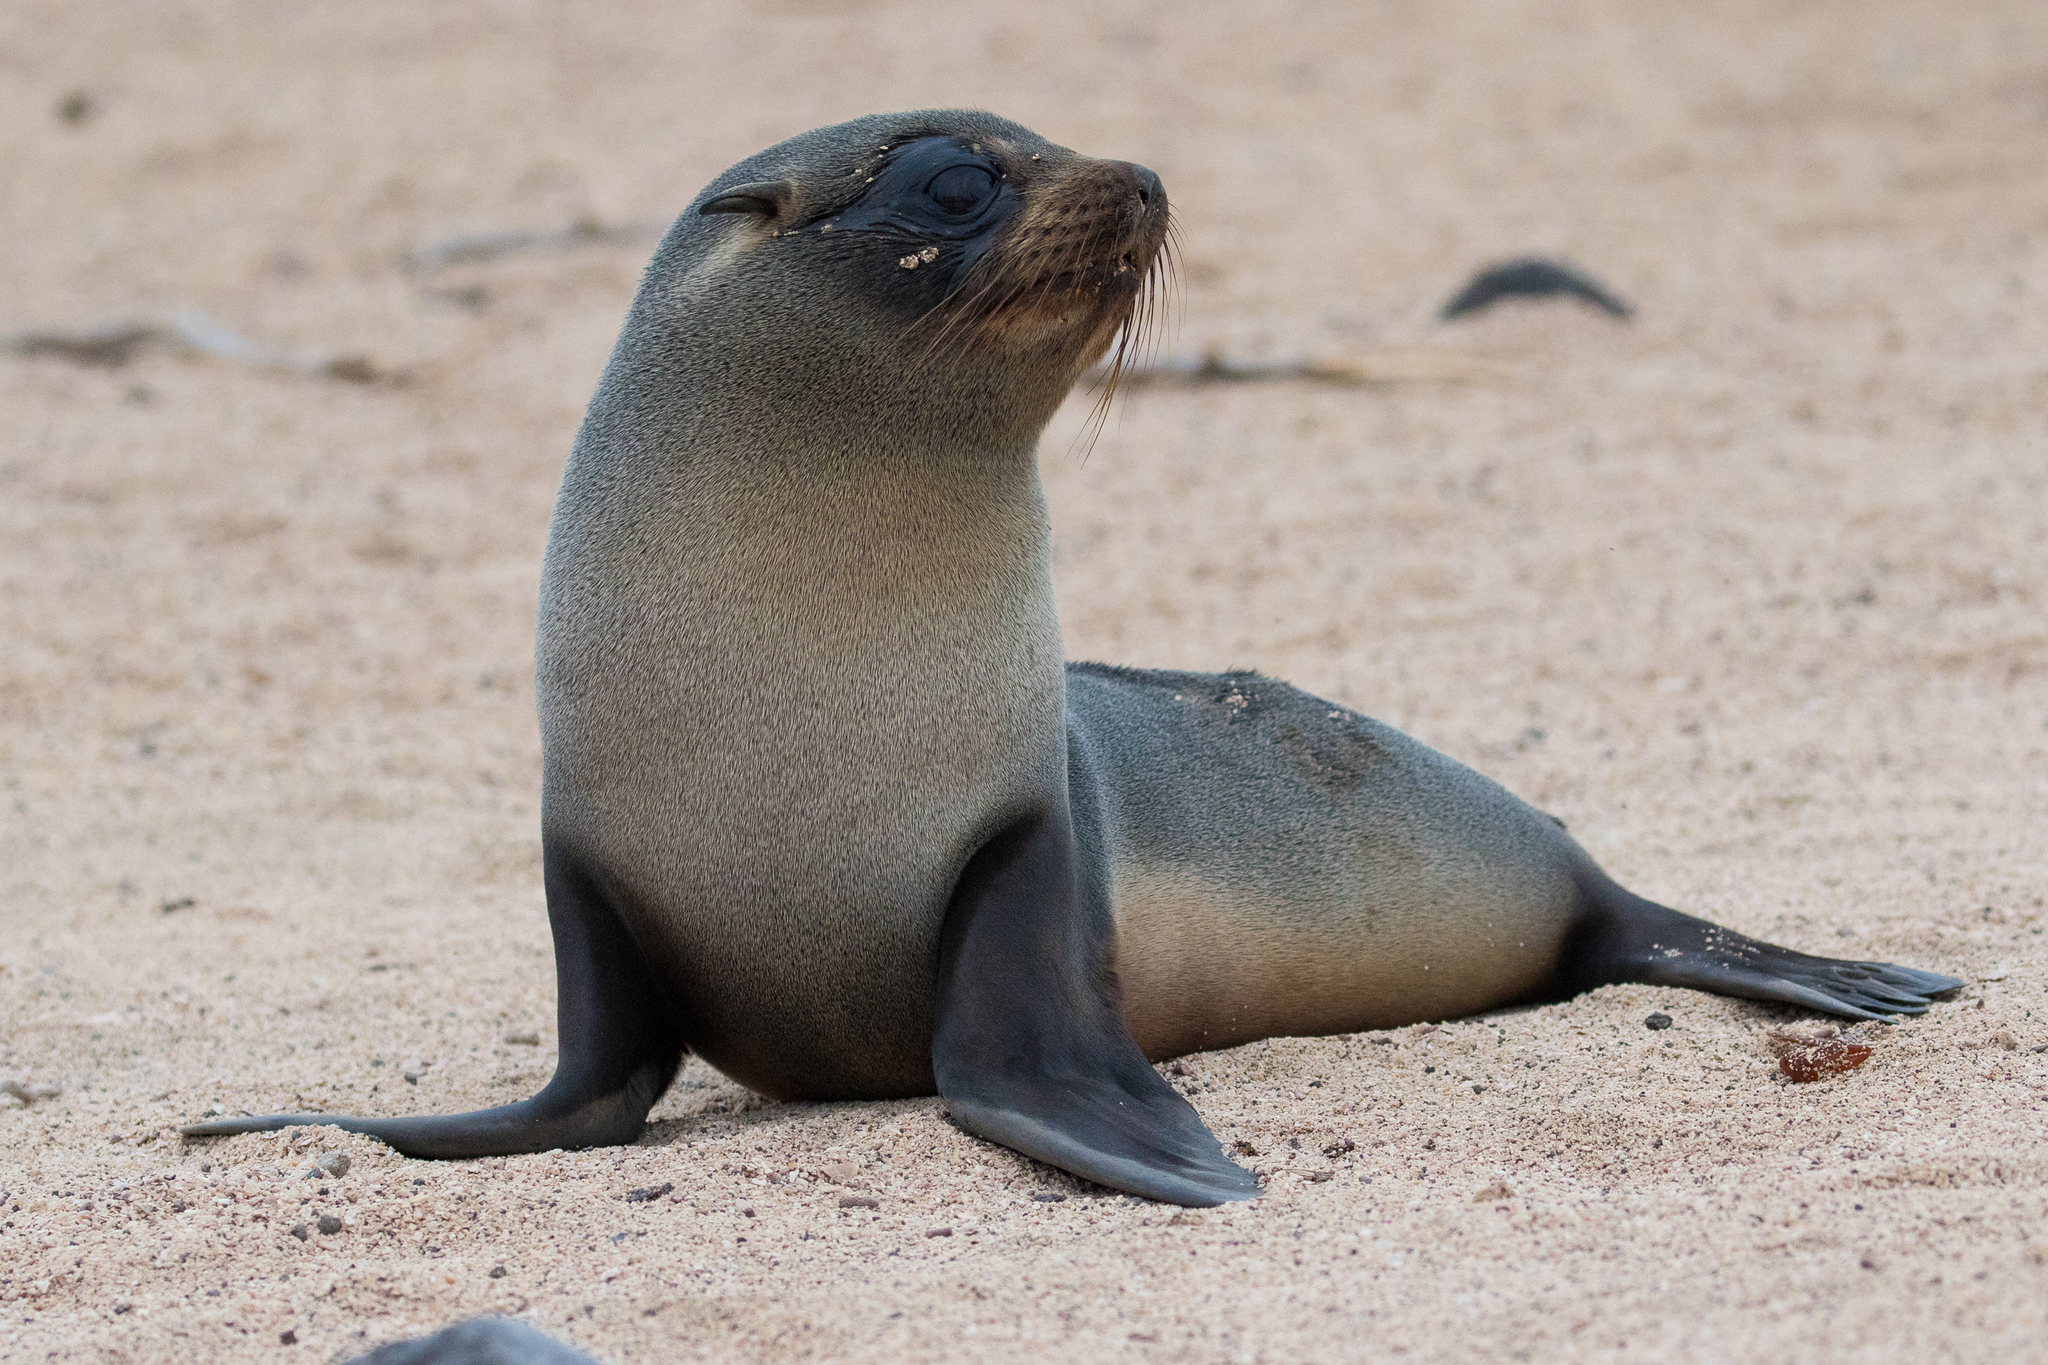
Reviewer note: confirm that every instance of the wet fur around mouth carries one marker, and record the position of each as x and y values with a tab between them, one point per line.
1075	247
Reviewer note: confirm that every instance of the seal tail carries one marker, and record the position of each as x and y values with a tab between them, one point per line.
1622	937
620	1050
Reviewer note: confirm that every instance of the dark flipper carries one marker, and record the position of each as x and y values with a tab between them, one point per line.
619	1050
1626	938
1030	1048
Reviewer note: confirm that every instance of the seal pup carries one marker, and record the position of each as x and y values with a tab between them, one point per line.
823	803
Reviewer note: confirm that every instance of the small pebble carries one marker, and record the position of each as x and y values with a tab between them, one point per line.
329	1224
651	1192
76	107
523	1038
1830	1057
288	1337
1659	1020
1048	1199
334	1163
1243	1148
299	1231
858	1201
497	1272
939	1232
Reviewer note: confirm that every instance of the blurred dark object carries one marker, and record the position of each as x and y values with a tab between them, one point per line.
115	343
1531	277
76	107
480	1341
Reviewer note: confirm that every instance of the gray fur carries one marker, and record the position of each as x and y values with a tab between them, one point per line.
798	657
1280	864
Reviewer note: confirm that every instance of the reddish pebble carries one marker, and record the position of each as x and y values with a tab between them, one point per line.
1829	1057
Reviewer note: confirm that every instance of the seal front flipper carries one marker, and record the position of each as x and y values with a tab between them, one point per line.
619	1052
1030	1048
1622	937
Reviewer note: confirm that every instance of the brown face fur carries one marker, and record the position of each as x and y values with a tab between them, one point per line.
1087	253
942	237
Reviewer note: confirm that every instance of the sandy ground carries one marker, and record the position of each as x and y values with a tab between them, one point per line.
1749	591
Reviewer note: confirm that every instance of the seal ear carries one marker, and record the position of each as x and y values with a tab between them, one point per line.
762	198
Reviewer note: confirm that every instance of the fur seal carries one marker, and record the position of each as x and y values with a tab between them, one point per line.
822	801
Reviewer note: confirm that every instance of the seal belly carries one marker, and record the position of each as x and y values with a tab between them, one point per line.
1352	879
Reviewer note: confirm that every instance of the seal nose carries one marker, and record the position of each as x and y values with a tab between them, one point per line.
1151	193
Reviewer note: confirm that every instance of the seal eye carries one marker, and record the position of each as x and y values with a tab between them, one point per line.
960	190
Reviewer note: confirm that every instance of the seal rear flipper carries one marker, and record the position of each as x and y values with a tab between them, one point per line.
620	1050
1623	937
1030	1048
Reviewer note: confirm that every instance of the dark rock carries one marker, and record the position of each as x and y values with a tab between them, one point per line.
650	1193
299	1231
1658	1021
1531	277
480	1341
329	1224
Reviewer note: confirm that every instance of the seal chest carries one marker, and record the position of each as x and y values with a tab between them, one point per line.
804	734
